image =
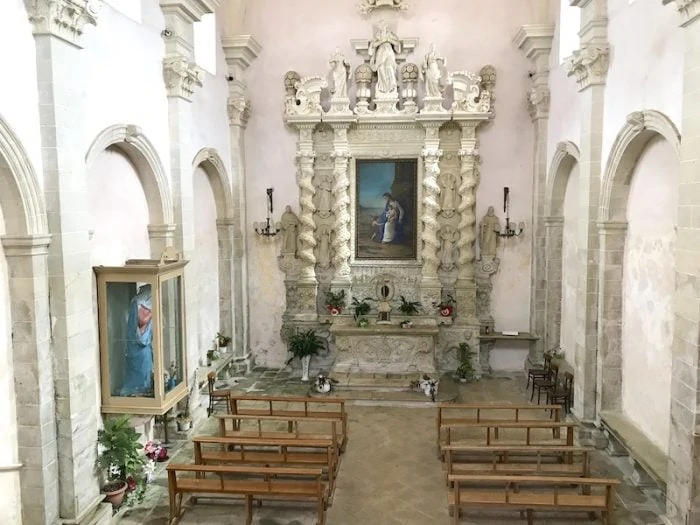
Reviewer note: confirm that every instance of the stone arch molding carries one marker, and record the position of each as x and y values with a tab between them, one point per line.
211	162
639	129
131	141
566	155
23	204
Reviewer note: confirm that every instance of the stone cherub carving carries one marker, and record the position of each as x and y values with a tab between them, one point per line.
340	73
324	199
431	72
289	224
489	228
324	250
382	51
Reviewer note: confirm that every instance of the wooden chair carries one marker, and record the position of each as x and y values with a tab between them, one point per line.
563	394
538	373
216	397
547	383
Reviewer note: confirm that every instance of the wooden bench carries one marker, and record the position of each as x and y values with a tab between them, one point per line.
517	461
454	413
250	482
321	453
280	426
530	493
294	406
490	433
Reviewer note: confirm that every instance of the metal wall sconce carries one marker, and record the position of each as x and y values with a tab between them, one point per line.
267	228
510	230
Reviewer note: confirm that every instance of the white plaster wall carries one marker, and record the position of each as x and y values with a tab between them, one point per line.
646	64
569	276
648	286
469	38
18	93
204	266
9	481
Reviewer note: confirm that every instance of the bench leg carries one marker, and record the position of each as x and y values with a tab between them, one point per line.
249	510
530	518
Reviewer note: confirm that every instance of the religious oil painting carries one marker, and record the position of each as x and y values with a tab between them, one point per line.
386	209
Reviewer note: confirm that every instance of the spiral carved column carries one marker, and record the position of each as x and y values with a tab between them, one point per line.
307	241
431	207
341	205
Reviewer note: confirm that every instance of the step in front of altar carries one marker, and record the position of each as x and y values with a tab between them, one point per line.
384	388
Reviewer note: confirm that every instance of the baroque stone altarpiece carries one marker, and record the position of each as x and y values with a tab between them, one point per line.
388	107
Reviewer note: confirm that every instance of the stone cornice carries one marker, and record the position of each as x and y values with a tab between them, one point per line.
689	10
589	65
181	76
240	50
579	3
25	245
534	39
64	19
190	10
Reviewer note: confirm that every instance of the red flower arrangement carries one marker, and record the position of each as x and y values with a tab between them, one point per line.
155	451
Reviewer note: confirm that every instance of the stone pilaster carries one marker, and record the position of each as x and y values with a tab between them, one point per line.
589	66
341	205
535	41
57	26
683	485
224	232
554	236
160	236
609	363
240	51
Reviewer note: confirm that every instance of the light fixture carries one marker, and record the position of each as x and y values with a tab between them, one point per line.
267	228
509	230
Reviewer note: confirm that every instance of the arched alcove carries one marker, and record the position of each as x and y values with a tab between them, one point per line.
636	230
560	207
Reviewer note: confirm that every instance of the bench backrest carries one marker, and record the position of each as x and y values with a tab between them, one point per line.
277	403
264	442
263	423
490	431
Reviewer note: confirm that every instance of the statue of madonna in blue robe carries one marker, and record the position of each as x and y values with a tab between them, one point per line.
138	366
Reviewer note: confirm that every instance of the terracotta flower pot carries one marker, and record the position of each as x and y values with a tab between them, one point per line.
114	491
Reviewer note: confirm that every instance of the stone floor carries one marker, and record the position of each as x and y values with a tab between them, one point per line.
390	474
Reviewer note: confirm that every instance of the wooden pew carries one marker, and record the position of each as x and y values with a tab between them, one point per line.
295	406
525	430
250	482
271	452
517	461
530	493
271	426
454	413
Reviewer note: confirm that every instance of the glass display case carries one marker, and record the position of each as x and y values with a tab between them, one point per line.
141	314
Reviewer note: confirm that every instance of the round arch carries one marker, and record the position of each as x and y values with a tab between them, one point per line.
131	141
210	161
21	198
566	156
639	129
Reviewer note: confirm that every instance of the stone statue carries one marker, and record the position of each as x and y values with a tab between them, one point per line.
289	224
340	71
449	183
431	72
448	251
324	200
138	366
382	52
489	228
324	250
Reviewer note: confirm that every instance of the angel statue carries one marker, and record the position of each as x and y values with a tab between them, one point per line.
340	71
431	72
382	52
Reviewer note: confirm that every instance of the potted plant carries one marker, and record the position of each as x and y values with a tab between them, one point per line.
222	341
212	355
362	322
362	307
465	370
335	301
303	345
183	419
446	306
120	458
408	307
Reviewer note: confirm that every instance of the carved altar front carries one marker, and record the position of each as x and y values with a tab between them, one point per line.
386	117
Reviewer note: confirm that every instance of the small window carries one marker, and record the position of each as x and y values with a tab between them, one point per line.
205	43
569	26
130	8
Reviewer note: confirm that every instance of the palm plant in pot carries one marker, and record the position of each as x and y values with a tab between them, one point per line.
408	307
303	345
335	302
120	458
465	371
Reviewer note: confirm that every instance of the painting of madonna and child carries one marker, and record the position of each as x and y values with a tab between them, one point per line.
385	213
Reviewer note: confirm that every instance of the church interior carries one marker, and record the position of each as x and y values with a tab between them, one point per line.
268	244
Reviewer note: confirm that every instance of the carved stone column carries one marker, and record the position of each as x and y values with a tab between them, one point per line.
589	65
536	43
71	398
554	232
307	241
225	230
341	205
240	52
683	485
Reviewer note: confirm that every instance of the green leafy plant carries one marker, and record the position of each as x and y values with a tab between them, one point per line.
301	344
222	340
362	322
466	368
408	307
213	355
121	458
335	299
362	307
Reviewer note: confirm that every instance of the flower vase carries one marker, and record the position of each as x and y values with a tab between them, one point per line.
305	362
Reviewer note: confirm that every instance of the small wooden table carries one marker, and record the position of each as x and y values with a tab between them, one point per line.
488	341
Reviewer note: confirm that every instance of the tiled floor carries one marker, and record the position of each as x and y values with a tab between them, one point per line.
390	474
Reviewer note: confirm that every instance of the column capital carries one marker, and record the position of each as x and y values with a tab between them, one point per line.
589	65
181	76
538	102
238	111
161	230
25	245
189	10
64	19
689	10
611	227
226	222
554	220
